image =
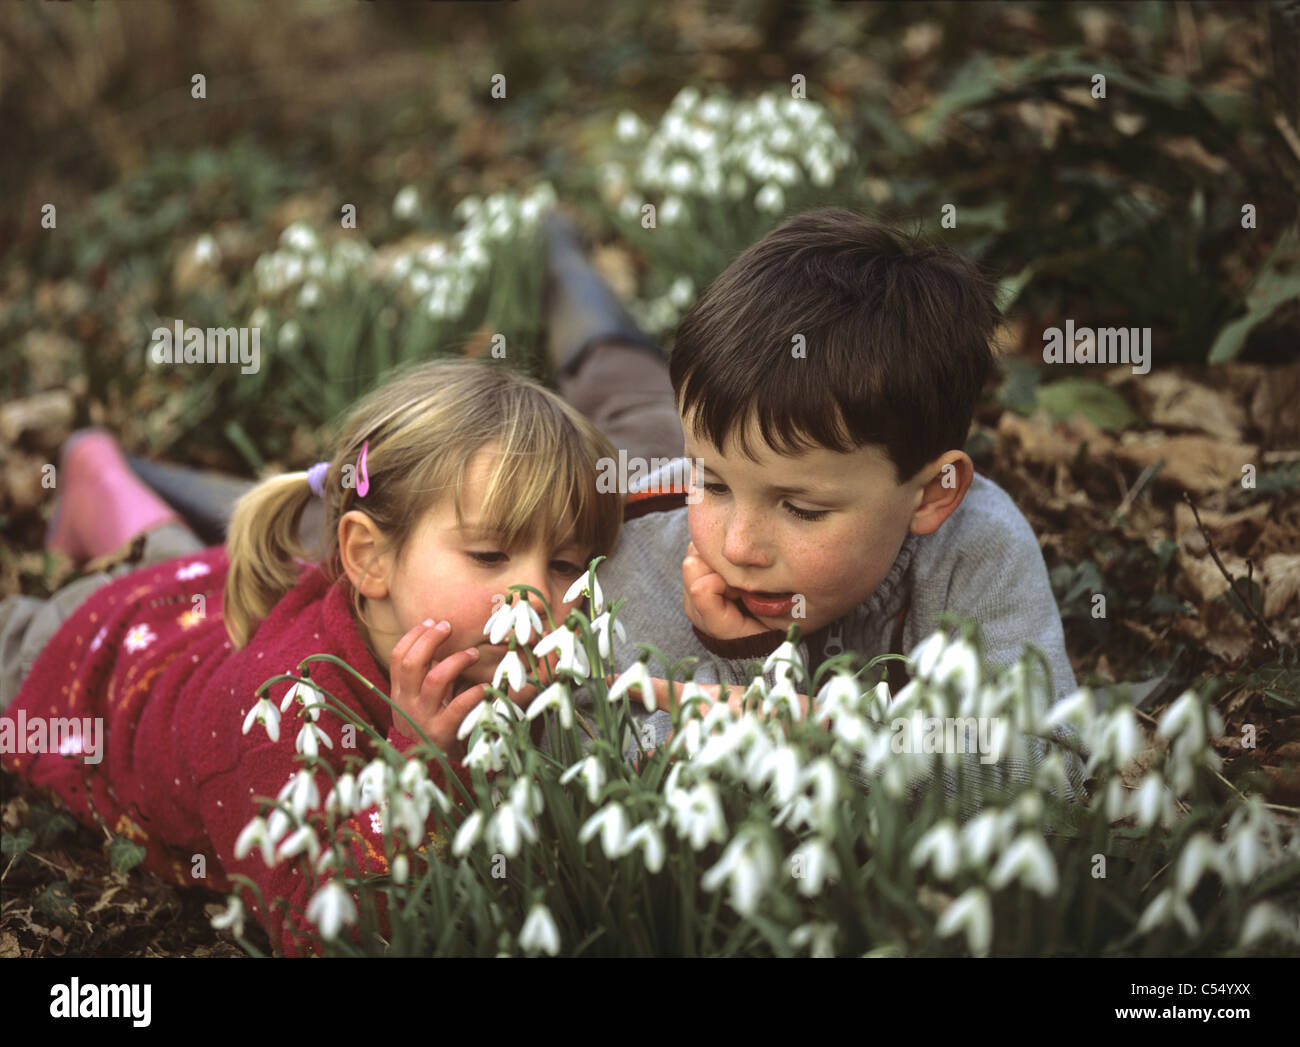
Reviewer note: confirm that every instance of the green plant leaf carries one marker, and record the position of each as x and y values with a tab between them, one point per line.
1098	403
124	854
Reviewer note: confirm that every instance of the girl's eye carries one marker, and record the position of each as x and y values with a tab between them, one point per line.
718	489
492	559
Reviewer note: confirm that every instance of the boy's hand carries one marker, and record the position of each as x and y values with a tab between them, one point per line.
712	606
424	691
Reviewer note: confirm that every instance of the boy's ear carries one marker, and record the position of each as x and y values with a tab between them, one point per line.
943	484
361	551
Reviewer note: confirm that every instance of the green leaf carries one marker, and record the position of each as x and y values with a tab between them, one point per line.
1098	403
55	901
14	844
124	855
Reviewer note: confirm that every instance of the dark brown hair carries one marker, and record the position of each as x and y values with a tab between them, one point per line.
896	335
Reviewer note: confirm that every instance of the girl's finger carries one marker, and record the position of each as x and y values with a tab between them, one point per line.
414	662
454	713
438	682
404	644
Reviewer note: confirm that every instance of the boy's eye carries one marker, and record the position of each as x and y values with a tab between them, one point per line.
567	568
717	489
487	559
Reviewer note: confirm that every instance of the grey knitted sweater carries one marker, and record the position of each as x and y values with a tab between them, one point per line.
983	563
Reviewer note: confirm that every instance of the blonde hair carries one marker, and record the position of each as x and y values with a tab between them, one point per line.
424	426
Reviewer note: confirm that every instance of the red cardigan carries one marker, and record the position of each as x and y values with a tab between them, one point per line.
175	773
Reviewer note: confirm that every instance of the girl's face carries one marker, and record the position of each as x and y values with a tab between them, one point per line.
459	574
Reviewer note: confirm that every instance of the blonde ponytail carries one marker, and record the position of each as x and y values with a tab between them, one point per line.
263	548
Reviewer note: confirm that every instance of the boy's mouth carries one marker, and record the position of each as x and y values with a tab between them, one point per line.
766	604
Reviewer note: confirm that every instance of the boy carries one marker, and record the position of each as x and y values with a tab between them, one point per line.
825	384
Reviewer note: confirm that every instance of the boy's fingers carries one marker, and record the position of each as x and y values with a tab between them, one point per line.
462	705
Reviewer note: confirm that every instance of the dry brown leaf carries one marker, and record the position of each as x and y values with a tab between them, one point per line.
1199	463
1175	401
1232	531
1281	580
1275	406
1053	443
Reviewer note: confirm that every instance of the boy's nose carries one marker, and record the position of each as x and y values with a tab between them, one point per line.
742	545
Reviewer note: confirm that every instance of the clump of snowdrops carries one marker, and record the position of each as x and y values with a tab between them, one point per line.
719	174
760	830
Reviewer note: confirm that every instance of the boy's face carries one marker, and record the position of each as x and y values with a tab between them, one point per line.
824	526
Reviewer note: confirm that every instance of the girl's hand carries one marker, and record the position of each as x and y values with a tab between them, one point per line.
423	692
713	606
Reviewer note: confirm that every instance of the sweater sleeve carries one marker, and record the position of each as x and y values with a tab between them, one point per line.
263	769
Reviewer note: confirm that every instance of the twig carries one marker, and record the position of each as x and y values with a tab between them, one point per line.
1139	485
1258	618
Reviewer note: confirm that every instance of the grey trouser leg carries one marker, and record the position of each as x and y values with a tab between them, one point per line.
627	394
27	622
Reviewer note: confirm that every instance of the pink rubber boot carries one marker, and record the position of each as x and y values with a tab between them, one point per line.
102	504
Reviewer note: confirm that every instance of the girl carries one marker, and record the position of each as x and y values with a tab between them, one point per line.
450	483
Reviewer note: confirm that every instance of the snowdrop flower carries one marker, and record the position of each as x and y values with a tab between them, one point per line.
406	203
303	839
255	834
487	755
467	835
508	830
309	739
981	835
588	583
629	127
511	669
648	837
268	715
342	799
781	766
373	784
821	936
554	697
1199	854
601	627
671	211
592	774
206	251
573	654
680	175
973	914
1075	711
785	659
697	815
301	794
958	666
839	696
1028	860
539	933
233	917
299	237
277	825
770	199
816	862
611	822
1120	739
520	616
1168	903
637	676
1153	803
747	864
302	693
682	292
331	908
1263	921
940	847
1183	720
